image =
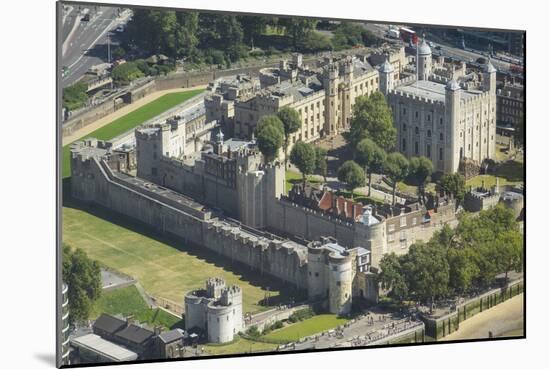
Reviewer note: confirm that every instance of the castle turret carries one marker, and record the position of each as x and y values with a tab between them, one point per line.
340	283
490	78
330	82
424	62
386	77
452	154
317	289
214	287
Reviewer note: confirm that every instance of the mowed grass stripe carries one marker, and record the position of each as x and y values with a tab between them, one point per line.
308	327
131	120
161	269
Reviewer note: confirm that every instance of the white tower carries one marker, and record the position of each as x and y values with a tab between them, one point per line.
424	62
490	78
386	77
452	148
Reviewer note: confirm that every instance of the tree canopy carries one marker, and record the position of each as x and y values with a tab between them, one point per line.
454	184
352	174
303	157
83	278
420	169
371	157
321	166
372	118
396	169
292	122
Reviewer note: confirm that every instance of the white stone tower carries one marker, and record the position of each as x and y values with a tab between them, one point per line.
490	78
386	77
340	283
453	150
424	62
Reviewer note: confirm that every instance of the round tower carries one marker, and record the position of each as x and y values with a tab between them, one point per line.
316	286
340	283
195	309
220	322
452	153
424	62
386	77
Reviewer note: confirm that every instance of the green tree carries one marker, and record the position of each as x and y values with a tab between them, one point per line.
297	28
371	157
420	169
321	166
372	118
126	73
253	26
186	31
83	278
426	271
352	174
396	169
75	96
453	183
292	122
303	157
391	277
510	252
270	136
463	268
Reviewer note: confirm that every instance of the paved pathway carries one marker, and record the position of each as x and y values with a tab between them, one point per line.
500	319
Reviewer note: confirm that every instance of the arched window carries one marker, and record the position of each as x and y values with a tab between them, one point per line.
416	148
404	127
429	151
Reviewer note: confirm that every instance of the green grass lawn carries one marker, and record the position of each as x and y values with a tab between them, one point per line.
509	173
308	327
131	120
239	346
295	177
127	301
164	267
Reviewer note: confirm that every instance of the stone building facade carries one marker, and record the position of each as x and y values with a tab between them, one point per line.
216	310
445	119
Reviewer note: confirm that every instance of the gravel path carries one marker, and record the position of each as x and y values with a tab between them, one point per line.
501	320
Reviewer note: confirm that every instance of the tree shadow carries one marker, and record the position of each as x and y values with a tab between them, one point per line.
245	273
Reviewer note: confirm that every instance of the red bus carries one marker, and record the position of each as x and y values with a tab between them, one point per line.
408	35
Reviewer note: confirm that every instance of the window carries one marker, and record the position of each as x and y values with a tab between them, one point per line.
429	133
414	221
404	127
404	146
441	136
416	130
429	151
416	148
403	222
429	117
338	283
440	120
440	153
416	114
404	111
391	228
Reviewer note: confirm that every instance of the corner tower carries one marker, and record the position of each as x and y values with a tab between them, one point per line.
386	77
452	148
331	82
424	62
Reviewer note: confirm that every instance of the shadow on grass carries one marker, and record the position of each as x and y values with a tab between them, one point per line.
512	170
245	273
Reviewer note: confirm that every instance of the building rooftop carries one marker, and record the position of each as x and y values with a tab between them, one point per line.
431	90
171	336
109	323
135	334
95	343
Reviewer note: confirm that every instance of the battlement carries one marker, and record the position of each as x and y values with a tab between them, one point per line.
414	97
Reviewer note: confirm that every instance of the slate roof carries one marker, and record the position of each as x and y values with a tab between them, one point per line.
135	334
171	336
109	323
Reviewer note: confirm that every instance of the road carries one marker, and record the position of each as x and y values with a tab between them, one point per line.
448	51
87	45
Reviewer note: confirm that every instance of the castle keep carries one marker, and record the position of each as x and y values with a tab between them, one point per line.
445	113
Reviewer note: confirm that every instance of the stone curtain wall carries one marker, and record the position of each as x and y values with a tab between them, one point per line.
96	183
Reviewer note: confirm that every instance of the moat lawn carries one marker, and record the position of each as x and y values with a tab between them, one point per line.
131	120
239	346
308	327
295	177
127	301
164	267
